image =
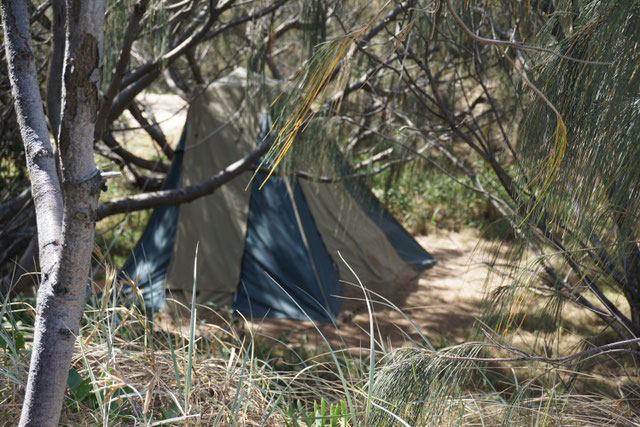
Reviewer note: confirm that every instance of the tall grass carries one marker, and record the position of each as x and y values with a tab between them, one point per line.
135	368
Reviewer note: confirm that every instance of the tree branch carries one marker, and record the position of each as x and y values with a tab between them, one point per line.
243	19
184	194
25	87
62	294
142	77
130	35
131	158
503	43
54	75
11	207
153	130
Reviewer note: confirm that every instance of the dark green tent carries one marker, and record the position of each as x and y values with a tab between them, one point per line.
270	252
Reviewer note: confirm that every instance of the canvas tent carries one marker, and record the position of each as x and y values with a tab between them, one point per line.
265	252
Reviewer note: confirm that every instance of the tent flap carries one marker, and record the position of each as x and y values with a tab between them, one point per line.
286	270
217	136
403	243
149	262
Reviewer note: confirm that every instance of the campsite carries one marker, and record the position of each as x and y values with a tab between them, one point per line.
319	213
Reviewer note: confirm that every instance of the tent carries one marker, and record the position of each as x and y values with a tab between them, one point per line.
265	252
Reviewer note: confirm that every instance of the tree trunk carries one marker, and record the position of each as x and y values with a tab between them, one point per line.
66	204
54	77
45	187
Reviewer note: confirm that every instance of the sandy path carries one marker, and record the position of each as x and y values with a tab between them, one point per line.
442	303
169	112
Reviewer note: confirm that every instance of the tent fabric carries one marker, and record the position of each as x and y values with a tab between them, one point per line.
150	259
354	223
402	242
266	252
217	135
285	266
347	231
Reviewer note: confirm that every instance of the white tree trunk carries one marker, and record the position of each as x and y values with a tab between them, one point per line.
45	187
66	204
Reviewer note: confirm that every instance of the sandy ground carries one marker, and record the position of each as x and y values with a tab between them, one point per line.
442	303
169	112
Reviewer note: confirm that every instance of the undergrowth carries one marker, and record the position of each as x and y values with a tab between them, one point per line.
137	368
425	200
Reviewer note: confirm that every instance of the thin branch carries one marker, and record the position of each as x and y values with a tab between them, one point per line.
503	43
9	208
153	130
54	75
184	194
128	157
243	19
142	77
130	35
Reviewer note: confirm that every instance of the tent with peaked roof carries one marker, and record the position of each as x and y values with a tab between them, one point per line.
273	251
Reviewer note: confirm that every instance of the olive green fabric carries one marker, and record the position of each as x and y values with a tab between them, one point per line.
346	228
219	132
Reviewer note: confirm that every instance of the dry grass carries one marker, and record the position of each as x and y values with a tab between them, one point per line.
133	370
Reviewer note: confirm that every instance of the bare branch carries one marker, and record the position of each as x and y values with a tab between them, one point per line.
181	195
128	157
153	130
46	191
141	78
130	35
503	43
54	77
243	19
11	207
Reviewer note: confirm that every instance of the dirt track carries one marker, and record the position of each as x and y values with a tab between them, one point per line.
442	303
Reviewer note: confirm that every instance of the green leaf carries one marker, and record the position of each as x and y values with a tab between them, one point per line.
18	340
74	380
80	387
3	342
172	411
15	344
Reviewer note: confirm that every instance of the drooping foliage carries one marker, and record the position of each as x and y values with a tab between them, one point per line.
552	116
588	217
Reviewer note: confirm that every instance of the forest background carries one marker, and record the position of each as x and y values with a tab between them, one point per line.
518	119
